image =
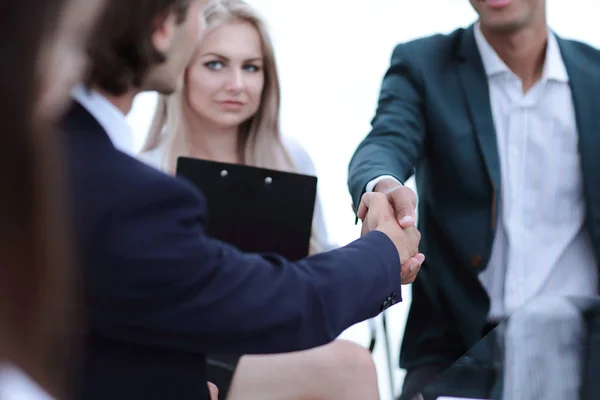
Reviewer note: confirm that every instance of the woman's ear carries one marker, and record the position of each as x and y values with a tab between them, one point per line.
164	28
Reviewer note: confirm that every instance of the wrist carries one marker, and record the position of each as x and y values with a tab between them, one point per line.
385	185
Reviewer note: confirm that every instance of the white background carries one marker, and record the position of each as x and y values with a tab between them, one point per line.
332	55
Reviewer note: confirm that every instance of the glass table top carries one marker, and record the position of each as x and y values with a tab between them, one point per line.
547	350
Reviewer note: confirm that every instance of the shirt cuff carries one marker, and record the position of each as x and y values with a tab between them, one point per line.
371	185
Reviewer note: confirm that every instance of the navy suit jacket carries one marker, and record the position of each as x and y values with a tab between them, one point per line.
434	119
159	293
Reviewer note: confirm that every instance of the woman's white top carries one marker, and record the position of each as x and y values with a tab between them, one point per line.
15	385
301	160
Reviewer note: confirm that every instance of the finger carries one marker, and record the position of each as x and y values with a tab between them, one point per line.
413	264
405	191
413	238
365	228
410	278
415	272
420	257
406	221
409	266
404	203
370	200
410	269
363	206
213	390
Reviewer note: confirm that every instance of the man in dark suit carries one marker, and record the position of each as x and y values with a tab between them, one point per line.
499	122
159	293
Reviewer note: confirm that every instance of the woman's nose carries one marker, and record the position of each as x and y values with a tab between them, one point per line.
235	81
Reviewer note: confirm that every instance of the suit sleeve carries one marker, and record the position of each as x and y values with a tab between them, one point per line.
395	143
168	284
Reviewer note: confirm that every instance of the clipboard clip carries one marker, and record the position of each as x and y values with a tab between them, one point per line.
268	179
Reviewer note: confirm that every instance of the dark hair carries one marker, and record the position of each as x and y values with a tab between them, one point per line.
34	260
121	52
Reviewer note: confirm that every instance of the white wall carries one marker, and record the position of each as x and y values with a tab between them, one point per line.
332	55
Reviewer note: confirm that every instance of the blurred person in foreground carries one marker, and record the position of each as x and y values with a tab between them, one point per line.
43	47
160	293
499	122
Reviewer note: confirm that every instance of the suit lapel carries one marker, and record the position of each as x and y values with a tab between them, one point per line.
584	80
475	84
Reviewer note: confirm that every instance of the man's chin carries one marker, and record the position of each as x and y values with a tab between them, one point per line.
504	27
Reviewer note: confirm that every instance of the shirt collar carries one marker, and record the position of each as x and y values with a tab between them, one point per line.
554	67
111	119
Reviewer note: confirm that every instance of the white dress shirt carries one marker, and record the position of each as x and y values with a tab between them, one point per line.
15	385
541	246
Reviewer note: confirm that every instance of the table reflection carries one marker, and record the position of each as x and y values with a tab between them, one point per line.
549	349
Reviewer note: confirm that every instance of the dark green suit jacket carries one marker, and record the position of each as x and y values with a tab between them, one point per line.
434	119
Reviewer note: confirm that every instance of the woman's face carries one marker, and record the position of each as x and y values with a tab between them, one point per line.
225	80
63	56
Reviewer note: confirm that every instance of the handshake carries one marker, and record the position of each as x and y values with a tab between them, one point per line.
391	210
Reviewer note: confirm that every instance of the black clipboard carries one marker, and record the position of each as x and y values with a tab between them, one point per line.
257	210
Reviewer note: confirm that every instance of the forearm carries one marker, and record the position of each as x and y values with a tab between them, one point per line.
225	301
396	141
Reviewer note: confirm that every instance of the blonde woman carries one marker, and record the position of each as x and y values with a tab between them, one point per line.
227	110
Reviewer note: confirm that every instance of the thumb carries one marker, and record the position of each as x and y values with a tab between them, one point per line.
404	201
405	213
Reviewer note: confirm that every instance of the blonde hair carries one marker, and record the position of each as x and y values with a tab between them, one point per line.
259	140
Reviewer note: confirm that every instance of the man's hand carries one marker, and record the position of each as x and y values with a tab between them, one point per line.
402	199
377	213
404	203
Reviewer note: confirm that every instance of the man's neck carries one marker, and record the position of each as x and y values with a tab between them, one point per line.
123	102
523	51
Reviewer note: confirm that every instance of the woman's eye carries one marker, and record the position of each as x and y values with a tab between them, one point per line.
214	65
251	68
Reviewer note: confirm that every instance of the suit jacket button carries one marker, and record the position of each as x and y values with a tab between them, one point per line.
385	305
476	261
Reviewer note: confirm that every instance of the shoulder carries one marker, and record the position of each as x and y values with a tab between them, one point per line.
580	51
147	204
428	57
119	184
430	46
108	187
299	155
153	186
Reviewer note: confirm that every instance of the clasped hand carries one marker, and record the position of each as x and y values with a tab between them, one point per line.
393	213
